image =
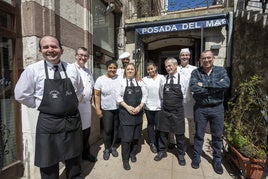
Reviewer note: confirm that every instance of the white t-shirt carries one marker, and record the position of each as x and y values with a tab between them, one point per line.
107	86
153	102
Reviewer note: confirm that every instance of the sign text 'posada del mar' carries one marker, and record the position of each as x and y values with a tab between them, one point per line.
182	26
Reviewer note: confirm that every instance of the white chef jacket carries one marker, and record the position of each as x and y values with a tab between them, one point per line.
153	102
188	100
121	90
85	102
120	72
107	87
30	86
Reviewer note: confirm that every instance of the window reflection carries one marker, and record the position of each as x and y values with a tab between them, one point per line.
7	116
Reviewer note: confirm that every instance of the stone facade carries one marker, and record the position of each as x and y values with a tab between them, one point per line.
250	47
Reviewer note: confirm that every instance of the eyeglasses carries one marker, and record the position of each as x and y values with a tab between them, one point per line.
204	58
82	55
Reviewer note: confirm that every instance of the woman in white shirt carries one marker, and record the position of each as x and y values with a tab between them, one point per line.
107	107
131	97
153	102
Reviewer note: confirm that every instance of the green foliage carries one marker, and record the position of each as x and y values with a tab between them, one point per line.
245	126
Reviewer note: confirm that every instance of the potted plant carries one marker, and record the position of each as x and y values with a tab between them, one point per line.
246	128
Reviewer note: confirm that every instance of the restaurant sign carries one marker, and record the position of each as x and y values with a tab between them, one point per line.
182	26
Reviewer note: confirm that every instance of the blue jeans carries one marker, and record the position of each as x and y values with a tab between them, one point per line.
152	118
214	115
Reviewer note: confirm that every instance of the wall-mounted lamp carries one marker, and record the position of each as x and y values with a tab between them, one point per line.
110	8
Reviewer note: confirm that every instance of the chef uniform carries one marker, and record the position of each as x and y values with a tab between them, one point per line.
85	110
130	125
188	102
172	116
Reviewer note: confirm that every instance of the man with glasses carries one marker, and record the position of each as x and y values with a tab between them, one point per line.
81	58
208	84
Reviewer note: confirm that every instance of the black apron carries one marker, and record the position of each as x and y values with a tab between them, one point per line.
172	114
58	130
132	97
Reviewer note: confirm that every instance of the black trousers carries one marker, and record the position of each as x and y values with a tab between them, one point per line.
129	149
163	140
110	127
72	168
86	146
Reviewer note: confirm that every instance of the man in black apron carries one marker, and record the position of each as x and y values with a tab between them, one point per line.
58	130
172	114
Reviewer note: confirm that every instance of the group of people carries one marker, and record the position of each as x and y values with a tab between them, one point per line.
63	94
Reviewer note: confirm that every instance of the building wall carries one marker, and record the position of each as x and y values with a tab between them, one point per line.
71	22
250	47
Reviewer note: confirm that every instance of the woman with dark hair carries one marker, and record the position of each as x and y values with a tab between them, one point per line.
131	97
107	107
153	102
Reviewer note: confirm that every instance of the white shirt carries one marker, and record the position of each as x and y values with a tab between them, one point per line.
107	86
85	102
185	73
120	72
175	79
88	83
153	102
121	90
30	86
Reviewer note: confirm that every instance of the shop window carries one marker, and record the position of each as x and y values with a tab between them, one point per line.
6	20
99	64
103	37
7	117
103	27
10	126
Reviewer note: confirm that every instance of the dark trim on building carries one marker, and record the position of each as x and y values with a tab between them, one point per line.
171	21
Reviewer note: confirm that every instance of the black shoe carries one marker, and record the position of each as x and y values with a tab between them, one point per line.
217	167
153	148
181	160
171	145
126	165
133	158
195	162
106	154
114	152
160	155
89	157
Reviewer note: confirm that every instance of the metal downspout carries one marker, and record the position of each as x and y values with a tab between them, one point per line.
202	38
229	41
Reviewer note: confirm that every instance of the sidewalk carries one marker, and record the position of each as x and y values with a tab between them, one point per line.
147	168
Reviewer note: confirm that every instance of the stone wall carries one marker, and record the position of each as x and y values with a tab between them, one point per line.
250	47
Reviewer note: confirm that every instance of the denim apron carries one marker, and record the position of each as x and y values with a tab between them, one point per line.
58	130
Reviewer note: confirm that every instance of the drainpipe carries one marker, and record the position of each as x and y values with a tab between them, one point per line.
229	41
202	39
